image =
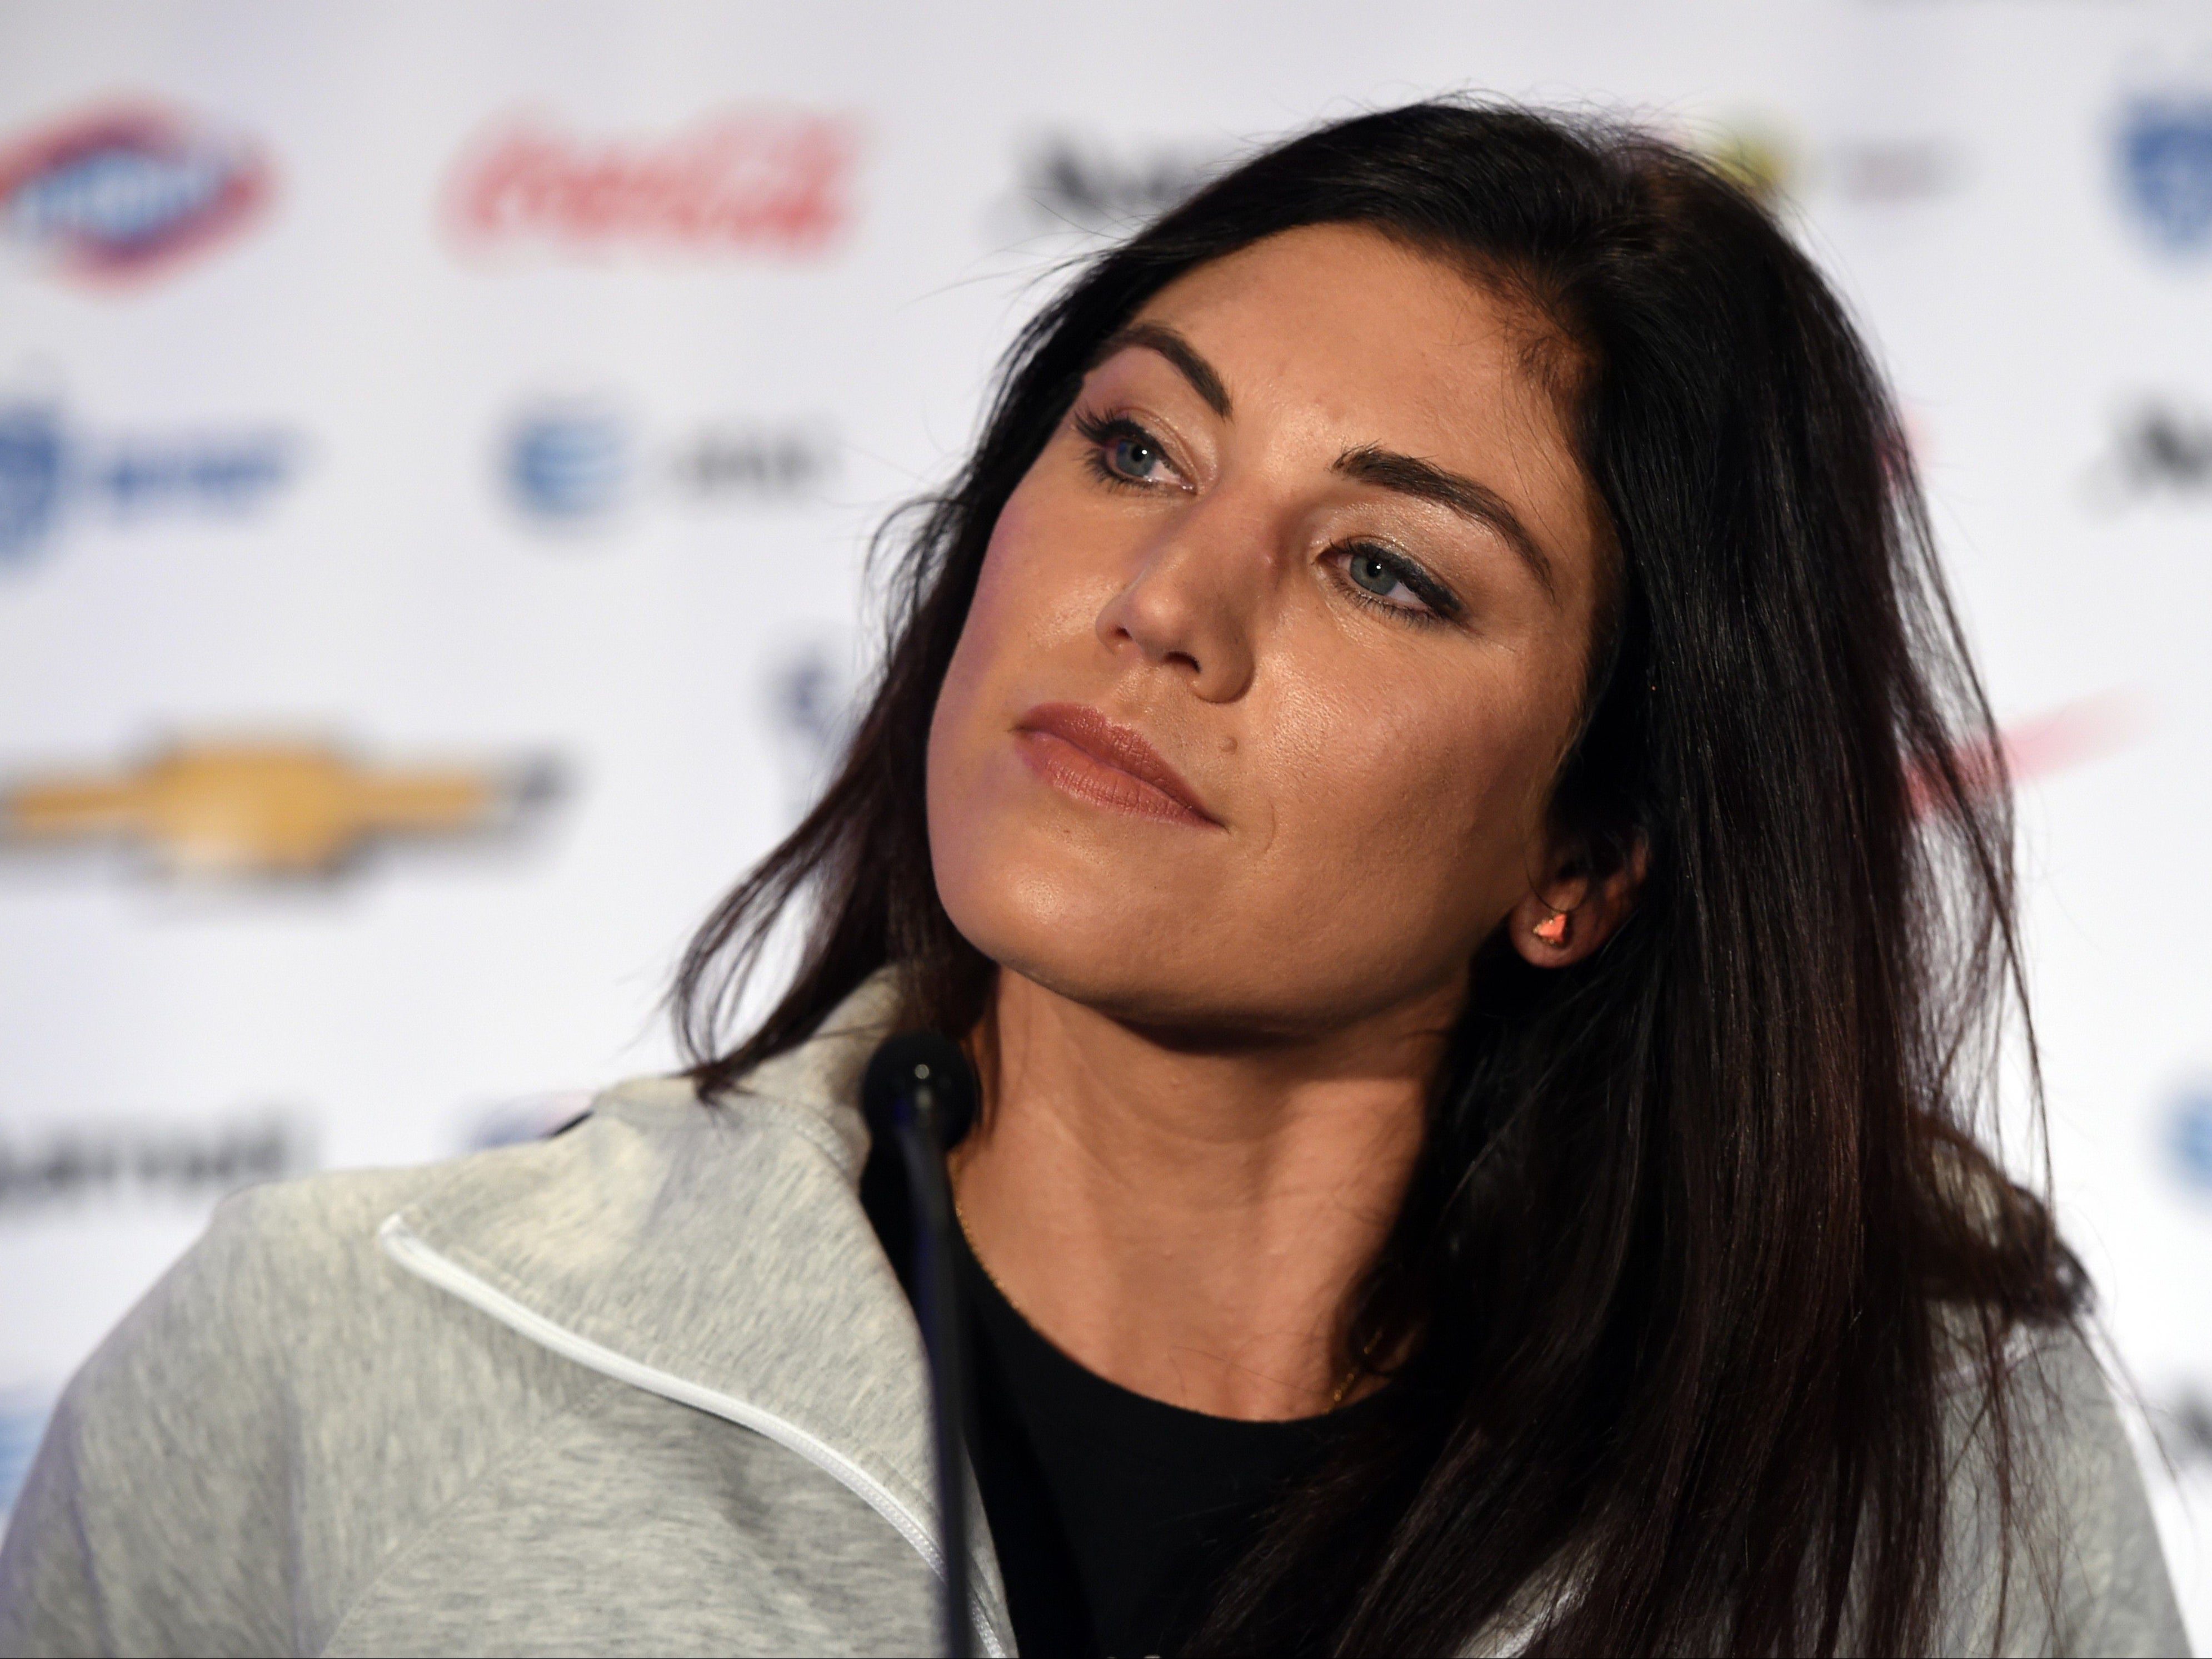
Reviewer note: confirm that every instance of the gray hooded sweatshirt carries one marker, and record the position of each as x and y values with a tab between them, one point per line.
652	1388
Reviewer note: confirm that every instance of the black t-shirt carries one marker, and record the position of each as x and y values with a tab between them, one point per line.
1116	1517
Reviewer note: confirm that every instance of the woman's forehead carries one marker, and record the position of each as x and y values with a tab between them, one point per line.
1367	327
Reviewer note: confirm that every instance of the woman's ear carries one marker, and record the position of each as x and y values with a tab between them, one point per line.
1567	916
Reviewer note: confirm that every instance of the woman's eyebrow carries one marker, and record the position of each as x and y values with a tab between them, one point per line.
1410	475
1385	468
1158	337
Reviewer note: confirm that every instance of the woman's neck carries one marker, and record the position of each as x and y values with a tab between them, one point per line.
1187	1223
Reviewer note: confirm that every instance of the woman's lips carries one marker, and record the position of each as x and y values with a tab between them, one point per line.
1079	750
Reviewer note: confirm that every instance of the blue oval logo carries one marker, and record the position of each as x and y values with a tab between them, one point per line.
124	192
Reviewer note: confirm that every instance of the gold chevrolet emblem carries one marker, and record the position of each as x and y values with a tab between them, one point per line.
265	809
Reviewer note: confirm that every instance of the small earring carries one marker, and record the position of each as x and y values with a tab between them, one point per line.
1552	930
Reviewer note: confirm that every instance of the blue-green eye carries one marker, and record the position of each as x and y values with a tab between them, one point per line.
1120	452
1378	576
1134	456
1390	582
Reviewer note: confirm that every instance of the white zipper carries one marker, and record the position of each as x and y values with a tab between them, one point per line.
404	1247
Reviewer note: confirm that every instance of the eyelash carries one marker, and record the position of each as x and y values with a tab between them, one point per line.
1441	607
1099	432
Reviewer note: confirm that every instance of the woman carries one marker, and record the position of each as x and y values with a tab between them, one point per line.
1427	758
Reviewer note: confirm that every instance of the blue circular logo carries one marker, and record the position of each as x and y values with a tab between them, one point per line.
568	464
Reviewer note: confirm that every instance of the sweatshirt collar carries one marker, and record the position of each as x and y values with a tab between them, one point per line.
720	1245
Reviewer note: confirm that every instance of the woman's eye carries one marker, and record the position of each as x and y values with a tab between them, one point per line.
1120	452
1385	578
1372	574
1134	456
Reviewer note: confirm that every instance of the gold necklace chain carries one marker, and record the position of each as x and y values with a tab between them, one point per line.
968	1237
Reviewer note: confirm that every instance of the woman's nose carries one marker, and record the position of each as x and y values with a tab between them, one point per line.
1194	604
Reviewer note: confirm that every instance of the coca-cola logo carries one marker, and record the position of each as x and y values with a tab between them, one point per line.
740	182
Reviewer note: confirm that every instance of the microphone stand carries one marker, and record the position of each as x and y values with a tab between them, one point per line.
919	1093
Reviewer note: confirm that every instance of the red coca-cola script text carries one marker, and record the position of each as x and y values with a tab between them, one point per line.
756	182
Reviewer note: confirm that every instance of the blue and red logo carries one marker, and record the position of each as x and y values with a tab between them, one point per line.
125	192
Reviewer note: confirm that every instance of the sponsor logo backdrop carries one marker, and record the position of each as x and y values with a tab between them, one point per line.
439	447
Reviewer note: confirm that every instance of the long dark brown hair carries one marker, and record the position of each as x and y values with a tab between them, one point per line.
1701	1237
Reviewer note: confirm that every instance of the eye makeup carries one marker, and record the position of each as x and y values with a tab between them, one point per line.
1441	603
1108	437
1123	453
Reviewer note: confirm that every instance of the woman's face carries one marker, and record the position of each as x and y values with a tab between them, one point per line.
1275	652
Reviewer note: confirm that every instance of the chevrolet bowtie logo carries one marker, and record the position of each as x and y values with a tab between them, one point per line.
266	809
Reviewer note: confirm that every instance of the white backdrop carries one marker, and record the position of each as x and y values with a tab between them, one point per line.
438	446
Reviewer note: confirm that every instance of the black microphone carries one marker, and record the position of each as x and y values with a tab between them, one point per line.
919	1094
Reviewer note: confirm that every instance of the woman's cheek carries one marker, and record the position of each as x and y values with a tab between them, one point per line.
1421	814
991	631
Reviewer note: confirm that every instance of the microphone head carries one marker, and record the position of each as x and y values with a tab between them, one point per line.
928	1070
